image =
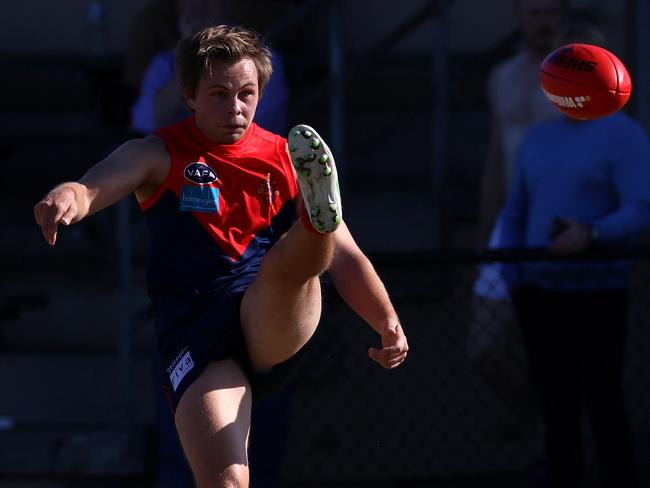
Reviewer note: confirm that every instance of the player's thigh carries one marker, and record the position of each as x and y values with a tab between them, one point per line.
277	320
213	422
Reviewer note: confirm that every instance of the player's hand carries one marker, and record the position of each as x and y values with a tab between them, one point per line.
58	207
575	237
394	348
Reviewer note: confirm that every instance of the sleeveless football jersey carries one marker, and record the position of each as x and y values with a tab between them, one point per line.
219	210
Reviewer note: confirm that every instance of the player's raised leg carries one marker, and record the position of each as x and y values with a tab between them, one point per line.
213	420
281	309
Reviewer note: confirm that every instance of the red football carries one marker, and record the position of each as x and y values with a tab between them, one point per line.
585	81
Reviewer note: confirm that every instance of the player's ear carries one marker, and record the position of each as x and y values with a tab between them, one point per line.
190	102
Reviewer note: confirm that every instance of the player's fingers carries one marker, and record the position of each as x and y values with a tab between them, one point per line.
387	352
49	223
387	362
59	212
395	364
55	215
50	236
49	232
373	353
37	213
68	215
396	357
384	356
376	355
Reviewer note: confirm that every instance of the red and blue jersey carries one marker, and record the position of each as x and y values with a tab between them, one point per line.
219	210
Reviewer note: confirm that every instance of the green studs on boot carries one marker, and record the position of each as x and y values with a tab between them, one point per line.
316	177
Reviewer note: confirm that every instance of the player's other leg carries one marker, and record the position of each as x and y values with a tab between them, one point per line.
281	309
213	422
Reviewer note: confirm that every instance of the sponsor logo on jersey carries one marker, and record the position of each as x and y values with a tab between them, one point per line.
200	173
568	102
267	190
564	58
179	368
199	199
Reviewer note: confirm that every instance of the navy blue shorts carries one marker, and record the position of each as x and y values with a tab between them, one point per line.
196	330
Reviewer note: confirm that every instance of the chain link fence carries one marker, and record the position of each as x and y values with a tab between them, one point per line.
460	411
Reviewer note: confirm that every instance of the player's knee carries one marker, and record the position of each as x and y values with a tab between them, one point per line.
233	476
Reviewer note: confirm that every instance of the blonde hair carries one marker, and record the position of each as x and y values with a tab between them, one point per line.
196	54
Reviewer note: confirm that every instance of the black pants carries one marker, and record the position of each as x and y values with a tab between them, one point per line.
575	343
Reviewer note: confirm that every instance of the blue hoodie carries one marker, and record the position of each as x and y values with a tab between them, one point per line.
596	172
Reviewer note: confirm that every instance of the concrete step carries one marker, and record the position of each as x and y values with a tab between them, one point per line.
75	390
71	308
58	453
69	415
140	481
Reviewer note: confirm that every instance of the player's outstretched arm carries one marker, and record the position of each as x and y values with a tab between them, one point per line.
137	165
360	286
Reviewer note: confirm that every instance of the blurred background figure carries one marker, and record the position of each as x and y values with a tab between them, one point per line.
152	30
573	315
515	102
159	101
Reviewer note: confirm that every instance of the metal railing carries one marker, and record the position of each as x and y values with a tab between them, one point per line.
462	406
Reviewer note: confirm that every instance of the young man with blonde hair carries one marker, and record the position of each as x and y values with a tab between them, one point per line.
235	281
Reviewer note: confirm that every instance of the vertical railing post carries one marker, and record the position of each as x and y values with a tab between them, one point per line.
439	114
336	61
641	83
125	366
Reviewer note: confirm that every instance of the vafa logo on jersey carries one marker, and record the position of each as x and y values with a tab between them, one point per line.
200	173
